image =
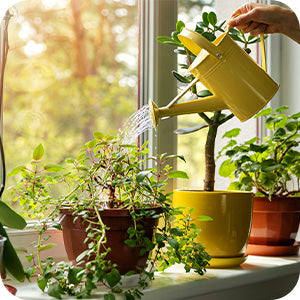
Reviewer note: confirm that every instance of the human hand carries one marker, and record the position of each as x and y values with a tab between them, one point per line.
256	18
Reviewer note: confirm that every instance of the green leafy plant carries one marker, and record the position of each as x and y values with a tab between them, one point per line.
272	165
106	175
11	262
209	28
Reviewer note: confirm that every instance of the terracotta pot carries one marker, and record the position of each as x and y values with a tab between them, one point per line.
118	220
274	227
225	238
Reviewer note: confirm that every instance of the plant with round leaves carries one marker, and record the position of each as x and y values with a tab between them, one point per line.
271	165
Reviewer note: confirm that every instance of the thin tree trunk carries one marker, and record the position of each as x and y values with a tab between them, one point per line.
210	164
82	65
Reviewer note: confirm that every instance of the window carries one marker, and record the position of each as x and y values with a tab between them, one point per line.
72	69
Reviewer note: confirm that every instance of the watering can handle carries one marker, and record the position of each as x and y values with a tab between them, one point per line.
192	40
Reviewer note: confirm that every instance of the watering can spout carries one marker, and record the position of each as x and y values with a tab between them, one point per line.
211	103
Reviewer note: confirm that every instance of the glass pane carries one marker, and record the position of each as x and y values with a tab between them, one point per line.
71	69
192	145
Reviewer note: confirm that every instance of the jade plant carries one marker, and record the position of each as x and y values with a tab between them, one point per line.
208	28
271	165
104	176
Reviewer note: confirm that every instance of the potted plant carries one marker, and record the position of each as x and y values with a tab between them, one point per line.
9	260
107	186
225	250
272	168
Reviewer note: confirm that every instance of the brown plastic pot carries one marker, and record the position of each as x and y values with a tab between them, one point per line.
118	220
275	225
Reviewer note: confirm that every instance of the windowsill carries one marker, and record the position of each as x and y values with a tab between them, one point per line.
259	278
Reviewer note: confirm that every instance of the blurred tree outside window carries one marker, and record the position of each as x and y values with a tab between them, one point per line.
72	69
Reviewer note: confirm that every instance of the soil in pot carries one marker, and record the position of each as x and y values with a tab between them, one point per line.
118	220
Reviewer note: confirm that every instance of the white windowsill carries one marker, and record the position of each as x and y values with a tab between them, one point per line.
260	277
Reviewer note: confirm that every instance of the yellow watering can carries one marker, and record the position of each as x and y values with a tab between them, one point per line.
237	82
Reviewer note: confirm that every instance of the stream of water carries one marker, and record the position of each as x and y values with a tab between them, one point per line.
138	123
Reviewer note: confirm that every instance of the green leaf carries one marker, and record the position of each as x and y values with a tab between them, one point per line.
267	180
53	168
205	19
129	297
255	166
188	130
232	133
250	166
212	18
180	77
176	231
168	41
210	36
141	176
179	26
38	153
269	165
173	243
57	226
291	126
226	168
113	278
42	283
175	37
89	285
280	132
10	218
98	135
16	170
205	218
176	156
258	148
109	296
11	260
204	93
178	174
281	108
46	247
72	275
55	290
264	112
295	116
234	186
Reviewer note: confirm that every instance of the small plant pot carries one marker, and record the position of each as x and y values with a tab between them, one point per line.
225	238
118	220
274	227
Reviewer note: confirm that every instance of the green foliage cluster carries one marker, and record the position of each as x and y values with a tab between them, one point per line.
272	165
208	28
106	175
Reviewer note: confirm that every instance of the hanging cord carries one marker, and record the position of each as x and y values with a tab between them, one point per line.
3	63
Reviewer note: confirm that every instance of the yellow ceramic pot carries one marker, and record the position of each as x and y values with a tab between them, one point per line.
226	237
